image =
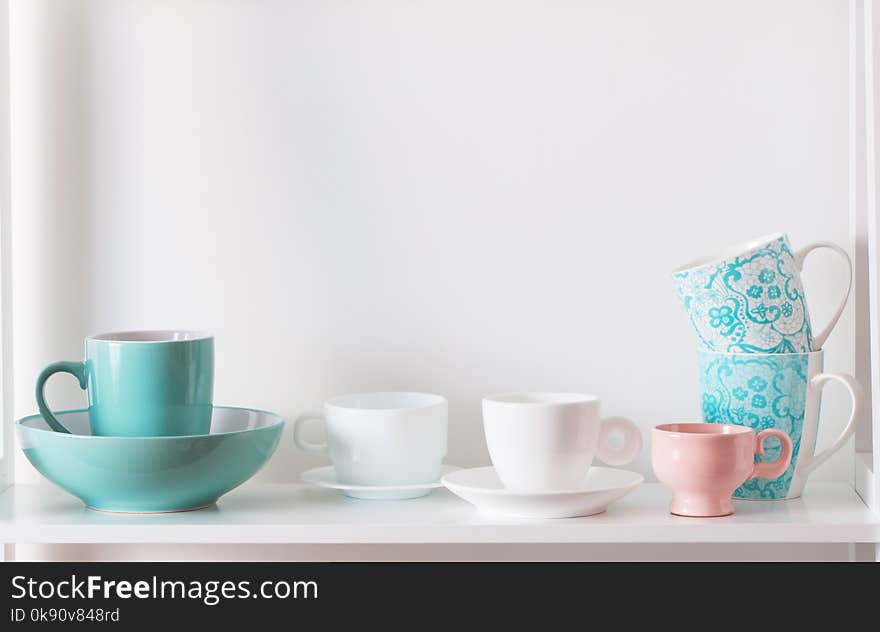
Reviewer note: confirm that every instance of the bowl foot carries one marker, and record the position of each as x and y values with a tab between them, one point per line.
151	511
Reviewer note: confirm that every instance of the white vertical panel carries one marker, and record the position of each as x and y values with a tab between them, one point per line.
6	390
870	436
859	214
862	221
50	67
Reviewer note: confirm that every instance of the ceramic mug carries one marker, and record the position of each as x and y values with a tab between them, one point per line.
547	441
381	439
775	391
750	299
142	383
703	463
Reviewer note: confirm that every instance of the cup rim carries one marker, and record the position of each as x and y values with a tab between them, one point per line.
729	251
689	429
151	336
544	399
429	400
760	355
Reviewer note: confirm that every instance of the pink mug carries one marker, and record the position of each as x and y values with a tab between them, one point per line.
703	463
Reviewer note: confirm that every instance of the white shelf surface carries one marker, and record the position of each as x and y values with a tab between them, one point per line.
299	514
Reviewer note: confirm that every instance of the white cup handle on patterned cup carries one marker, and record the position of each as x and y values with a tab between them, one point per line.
629	449
808	463
303	444
799	256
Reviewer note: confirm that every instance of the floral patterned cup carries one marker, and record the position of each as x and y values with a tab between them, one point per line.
750	299
774	390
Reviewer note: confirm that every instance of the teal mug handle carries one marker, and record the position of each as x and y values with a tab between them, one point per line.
77	370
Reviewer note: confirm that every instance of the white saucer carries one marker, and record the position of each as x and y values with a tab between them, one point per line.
481	487
326	477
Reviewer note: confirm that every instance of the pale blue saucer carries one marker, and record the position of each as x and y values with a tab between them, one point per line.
151	474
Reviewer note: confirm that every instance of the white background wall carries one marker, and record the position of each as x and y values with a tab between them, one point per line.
454	196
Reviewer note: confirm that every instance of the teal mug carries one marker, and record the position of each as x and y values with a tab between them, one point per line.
142	383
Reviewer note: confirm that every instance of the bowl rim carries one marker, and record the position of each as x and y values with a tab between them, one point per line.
279	421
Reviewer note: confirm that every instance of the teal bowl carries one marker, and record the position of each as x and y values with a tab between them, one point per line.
151	474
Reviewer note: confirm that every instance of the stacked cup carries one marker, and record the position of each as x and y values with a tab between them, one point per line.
760	361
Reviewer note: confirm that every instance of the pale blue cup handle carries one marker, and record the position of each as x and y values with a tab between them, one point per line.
301	443
819	339
76	369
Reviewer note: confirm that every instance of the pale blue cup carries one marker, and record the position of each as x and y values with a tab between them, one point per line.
750	299
775	390
142	383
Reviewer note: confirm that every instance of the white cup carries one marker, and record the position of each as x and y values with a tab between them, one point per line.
381	439
547	441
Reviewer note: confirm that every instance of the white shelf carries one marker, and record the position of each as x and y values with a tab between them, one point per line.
297	514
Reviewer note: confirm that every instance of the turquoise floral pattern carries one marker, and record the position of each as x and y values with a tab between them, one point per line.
757	383
748	304
721	317
761	392
710	406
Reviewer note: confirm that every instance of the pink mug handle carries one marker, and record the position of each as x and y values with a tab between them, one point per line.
772	469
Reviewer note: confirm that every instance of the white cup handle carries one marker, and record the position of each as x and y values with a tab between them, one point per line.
808	463
632	441
799	256
302	444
